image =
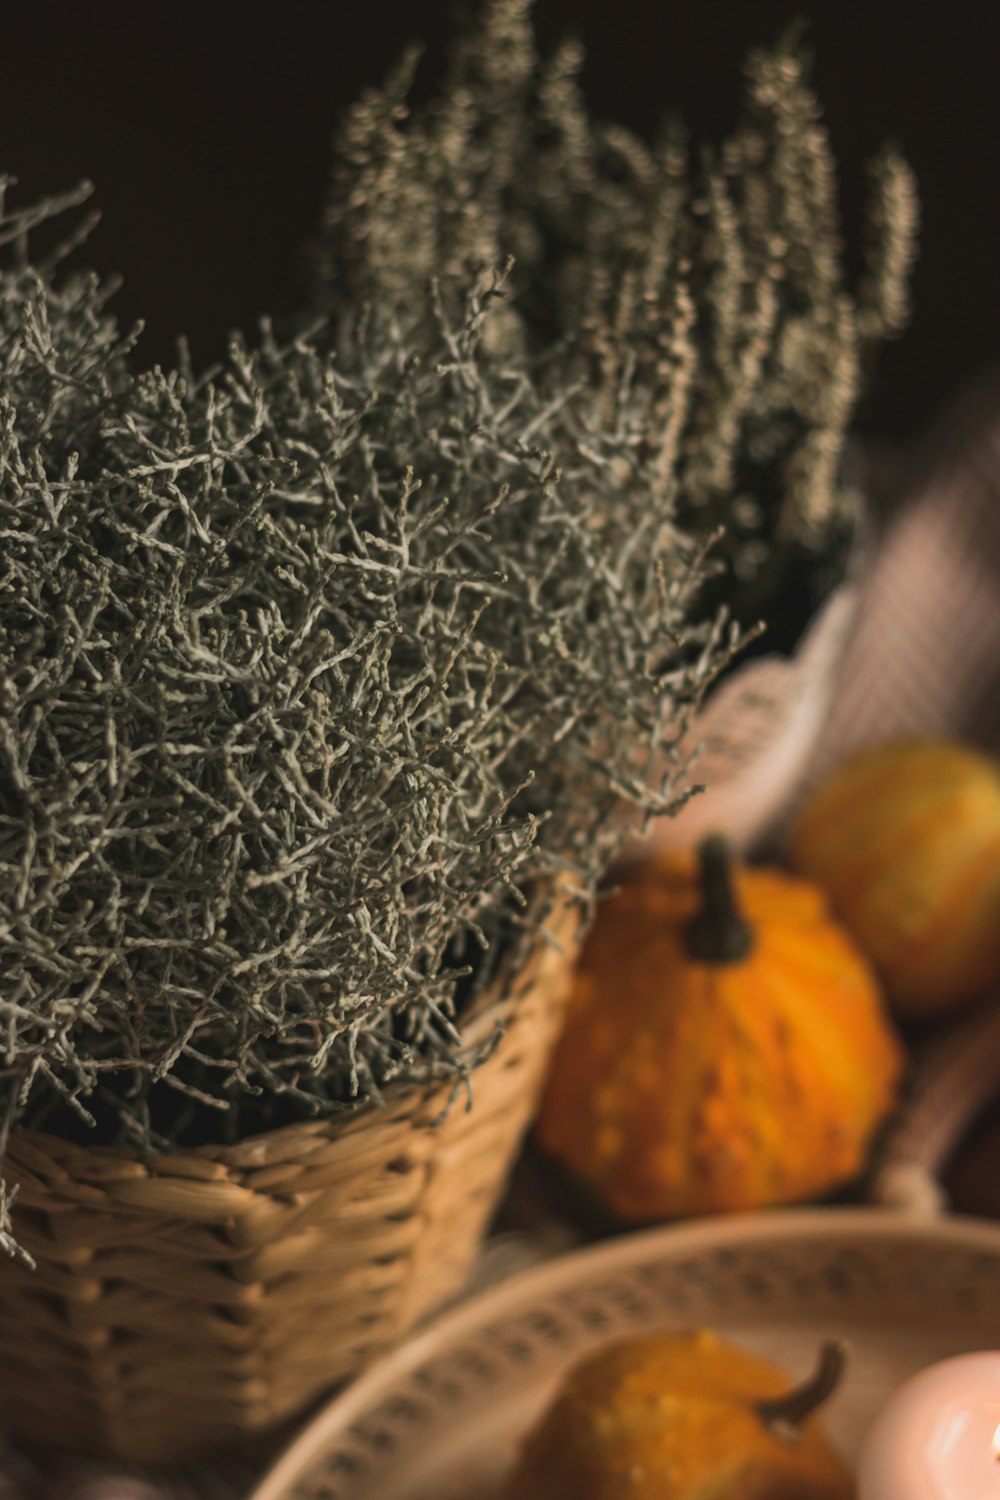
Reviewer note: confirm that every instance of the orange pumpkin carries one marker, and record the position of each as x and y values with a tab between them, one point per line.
905	837
725	1046
682	1417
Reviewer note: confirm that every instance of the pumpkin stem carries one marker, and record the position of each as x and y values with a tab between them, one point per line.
784	1415
719	933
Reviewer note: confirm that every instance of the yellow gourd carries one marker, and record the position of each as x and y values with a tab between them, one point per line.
683	1417
725	1046
905	837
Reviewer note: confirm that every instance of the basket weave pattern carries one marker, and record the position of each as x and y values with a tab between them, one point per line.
184	1302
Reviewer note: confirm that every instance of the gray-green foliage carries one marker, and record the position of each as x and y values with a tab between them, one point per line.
717	277
315	669
310	669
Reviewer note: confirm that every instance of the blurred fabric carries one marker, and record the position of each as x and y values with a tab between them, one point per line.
924	656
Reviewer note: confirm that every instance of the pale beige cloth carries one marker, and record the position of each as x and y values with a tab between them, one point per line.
922	656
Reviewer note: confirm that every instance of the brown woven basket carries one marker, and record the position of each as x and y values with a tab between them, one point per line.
183	1303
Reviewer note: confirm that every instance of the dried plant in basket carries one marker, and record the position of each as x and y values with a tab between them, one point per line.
711	285
314	673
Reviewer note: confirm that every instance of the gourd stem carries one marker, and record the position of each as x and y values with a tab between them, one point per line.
719	933
784	1415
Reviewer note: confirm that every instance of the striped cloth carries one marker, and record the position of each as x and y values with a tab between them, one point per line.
922	655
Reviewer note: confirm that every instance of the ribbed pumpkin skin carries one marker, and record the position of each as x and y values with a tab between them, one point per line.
905	838
681	1087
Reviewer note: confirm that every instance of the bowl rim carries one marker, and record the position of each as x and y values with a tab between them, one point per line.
580	1265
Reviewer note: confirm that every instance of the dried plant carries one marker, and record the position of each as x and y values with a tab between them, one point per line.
714	287
316	669
313	670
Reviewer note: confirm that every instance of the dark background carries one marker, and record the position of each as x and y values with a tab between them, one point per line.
206	130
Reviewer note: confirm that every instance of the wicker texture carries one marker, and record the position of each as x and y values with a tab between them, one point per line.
182	1303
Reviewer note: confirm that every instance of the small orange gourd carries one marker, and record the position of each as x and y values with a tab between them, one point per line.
905	837
683	1416
725	1045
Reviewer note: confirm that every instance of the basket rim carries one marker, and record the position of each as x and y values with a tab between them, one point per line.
517	972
